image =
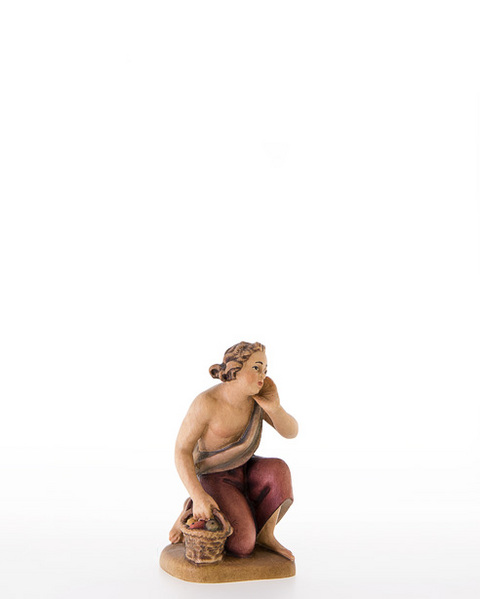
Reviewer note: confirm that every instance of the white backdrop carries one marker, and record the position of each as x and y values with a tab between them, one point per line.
181	176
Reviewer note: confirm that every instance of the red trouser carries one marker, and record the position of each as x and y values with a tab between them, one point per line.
248	496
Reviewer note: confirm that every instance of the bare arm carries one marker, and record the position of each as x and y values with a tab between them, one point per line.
192	428
275	415
283	422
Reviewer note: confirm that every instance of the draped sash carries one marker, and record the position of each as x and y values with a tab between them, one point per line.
235	454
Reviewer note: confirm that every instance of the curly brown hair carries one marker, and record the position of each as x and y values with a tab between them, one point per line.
233	360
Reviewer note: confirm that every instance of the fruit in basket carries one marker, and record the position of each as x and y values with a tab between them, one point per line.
199	524
190	521
212	525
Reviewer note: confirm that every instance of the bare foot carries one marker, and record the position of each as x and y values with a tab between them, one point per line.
176	534
266	539
272	544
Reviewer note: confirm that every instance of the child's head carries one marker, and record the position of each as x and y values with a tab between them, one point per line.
234	359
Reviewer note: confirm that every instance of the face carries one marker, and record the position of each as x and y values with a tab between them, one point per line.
253	373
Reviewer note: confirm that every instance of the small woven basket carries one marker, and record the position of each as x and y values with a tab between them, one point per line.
205	546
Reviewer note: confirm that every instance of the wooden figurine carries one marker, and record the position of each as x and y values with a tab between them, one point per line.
231	489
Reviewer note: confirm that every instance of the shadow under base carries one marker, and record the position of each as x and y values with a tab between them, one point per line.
262	564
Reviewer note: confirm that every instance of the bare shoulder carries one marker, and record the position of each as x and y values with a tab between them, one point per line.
205	403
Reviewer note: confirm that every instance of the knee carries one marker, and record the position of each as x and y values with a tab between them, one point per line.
242	542
277	470
281	466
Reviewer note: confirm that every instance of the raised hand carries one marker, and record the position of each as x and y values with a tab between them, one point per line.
267	398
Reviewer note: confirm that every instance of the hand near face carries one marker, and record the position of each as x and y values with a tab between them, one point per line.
267	398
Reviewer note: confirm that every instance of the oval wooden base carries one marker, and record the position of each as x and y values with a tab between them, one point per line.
262	564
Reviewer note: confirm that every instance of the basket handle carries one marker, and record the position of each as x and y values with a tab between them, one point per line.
187	515
227	527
